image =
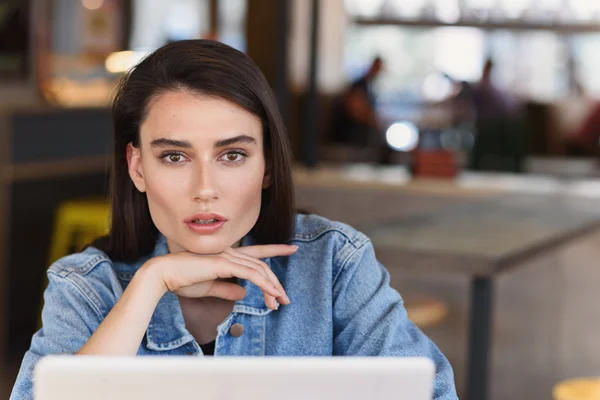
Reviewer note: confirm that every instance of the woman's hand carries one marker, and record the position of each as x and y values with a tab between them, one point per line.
192	275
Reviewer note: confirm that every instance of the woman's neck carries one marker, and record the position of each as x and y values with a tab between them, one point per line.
202	316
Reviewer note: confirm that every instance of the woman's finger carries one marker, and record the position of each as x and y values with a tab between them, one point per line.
270	274
221	289
226	290
229	269
243	261
222	266
268	251
254	264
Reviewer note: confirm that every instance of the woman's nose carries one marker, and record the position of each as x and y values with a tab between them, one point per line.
204	186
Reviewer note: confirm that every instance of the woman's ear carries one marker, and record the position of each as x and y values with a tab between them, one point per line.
134	165
268	168
266	180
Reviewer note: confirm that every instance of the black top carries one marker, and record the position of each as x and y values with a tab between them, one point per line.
208	349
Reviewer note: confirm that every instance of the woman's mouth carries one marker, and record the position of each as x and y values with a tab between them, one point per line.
205	223
205	227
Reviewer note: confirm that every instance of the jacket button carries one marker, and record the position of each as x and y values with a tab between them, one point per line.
236	330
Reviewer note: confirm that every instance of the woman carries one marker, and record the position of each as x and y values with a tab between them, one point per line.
201	195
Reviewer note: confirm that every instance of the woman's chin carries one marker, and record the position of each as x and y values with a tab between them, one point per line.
206	250
202	245
208	247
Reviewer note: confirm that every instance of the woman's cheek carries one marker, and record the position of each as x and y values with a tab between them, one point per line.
247	188
167	190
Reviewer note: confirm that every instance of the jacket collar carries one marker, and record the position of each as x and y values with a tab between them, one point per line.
167	330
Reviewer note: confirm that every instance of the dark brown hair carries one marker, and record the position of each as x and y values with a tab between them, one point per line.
213	69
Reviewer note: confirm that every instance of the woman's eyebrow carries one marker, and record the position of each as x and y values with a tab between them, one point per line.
163	142
244	139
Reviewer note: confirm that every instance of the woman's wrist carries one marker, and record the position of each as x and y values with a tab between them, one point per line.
149	276
123	329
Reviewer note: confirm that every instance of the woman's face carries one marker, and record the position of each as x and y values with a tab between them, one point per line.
202	166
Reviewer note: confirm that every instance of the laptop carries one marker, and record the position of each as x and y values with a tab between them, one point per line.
228	378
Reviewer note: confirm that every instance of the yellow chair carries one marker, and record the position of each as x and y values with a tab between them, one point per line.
577	389
76	224
426	313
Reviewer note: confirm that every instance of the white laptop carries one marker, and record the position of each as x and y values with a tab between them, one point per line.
225	378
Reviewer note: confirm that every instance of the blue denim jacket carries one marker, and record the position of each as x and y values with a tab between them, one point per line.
341	304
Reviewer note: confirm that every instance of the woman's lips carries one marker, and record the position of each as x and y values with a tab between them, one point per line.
205	223
205	216
205	229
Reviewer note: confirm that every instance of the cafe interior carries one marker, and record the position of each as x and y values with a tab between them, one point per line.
477	177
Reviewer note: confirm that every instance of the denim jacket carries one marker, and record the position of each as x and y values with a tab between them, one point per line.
341	304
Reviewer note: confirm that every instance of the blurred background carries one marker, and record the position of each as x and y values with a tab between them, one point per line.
462	136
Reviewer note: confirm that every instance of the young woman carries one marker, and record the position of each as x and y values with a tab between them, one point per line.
206	254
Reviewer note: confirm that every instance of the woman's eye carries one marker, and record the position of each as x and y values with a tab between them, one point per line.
235	156
172	158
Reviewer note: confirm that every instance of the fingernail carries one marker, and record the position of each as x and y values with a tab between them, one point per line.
287	299
277	292
295	247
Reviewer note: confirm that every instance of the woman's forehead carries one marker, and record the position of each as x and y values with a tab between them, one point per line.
197	118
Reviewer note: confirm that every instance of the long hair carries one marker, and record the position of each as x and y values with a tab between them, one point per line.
208	68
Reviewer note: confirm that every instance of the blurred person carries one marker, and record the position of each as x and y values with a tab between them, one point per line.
567	115
585	140
355	120
204	235
481	100
500	137
576	118
489	101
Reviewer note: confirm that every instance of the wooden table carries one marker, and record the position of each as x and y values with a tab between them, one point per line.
483	225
